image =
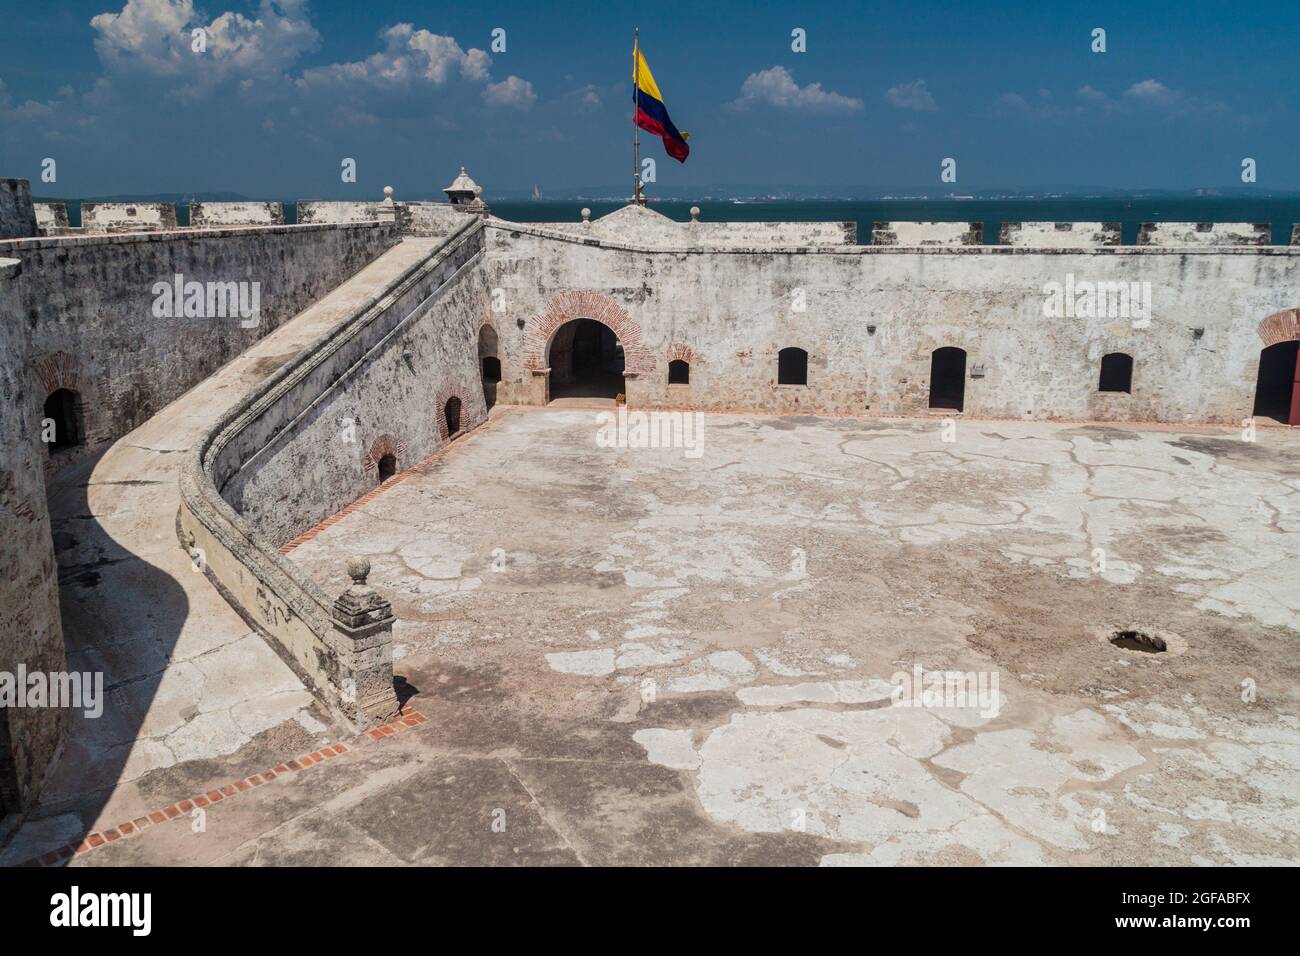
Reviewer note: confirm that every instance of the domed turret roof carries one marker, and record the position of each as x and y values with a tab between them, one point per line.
463	184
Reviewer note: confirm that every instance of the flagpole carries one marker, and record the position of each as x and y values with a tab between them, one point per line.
636	130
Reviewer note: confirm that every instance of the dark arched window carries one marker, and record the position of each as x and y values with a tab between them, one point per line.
792	367
679	372
1116	373
387	467
948	378
61	420
1276	391
452	415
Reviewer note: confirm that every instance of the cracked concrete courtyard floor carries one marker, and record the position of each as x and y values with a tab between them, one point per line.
635	656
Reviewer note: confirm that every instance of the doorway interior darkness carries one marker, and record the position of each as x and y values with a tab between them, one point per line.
948	378
62	408
1277	385
451	416
586	361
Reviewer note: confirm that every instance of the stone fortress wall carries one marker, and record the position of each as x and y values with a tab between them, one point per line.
31	634
76	313
314	438
870	318
87	307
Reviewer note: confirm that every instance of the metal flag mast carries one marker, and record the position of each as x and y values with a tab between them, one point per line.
636	130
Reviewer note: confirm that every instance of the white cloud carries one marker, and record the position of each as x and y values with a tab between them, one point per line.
154	37
1017	104
512	92
1152	96
1152	93
409	56
776	87
586	98
911	96
32	110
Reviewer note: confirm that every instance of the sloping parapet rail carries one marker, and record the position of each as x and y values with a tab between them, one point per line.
341	648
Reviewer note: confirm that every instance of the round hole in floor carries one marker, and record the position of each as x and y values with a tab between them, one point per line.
1133	639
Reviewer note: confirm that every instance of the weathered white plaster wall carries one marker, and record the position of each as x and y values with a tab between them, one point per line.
734	311
236	214
927	233
51	218
1173	234
647	226
322	212
1060	235
127	216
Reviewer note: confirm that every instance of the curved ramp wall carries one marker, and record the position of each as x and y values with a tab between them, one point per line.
297	450
871	316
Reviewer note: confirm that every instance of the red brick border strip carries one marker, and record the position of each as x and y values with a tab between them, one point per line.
408	719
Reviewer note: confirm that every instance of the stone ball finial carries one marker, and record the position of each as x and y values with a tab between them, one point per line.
695	214
586	214
388	192
358	569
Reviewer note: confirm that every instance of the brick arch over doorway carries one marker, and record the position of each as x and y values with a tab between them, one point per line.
1281	326
581	304
383	445
446	394
60	370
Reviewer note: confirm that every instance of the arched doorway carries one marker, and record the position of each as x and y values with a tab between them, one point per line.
1277	390
387	467
451	416
61	420
586	361
948	378
489	363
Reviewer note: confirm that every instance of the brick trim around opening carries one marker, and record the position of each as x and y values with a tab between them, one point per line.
383	445
585	304
1281	326
445	395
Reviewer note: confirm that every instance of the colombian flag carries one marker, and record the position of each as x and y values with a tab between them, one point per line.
651	114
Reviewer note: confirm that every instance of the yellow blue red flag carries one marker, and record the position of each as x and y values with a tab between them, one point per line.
651	114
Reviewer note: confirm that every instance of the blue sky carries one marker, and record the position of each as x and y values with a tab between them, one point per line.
287	88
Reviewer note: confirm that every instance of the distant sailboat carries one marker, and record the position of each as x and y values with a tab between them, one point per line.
537	191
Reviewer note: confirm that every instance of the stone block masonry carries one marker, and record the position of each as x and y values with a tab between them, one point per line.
52	218
213	214
31	633
1060	235
1175	234
128	363
927	233
127	216
872	317
17	214
309	441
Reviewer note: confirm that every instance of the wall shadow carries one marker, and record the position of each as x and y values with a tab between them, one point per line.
121	616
